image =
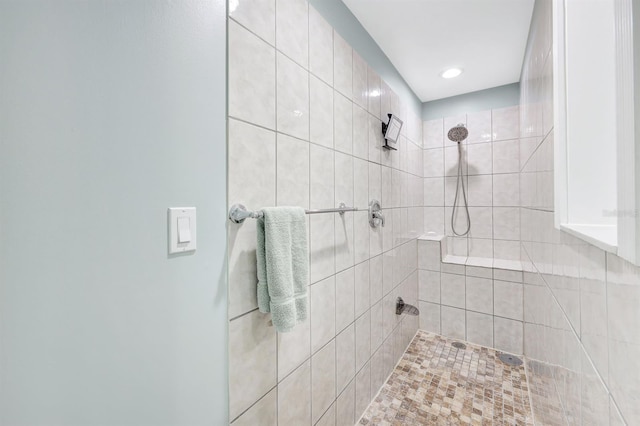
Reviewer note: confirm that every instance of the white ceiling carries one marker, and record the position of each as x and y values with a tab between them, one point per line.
422	38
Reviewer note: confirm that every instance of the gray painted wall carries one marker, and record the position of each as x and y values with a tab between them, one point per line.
496	97
348	26
110	113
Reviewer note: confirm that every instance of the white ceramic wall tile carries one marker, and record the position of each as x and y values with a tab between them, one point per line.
329	417
346	404
480	329
429	286
363	390
377	372
360	81
252	78
363	340
429	255
361	231
377	324
434	192
506	275
506	250
506	223
508	299
387	198
321	178
482	222
479	294
345	299
323	380
293	348
259	16
373	92
375	279
480	250
508	335
342	65
434	162
480	271
293	98
292	30
506	156
360	183
506	190
506	123
320	47
480	190
385	103
321	113
292	172
452	290
345	357
343	123
294	397
343	179
253	150
430	317
362	289
252	347
434	220
376	140
479	159
375	183
263	412
389	318
322	247
388	261
452	322
323	312
360	132
433	133
479	127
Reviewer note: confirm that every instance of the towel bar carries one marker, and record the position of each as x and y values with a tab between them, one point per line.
238	213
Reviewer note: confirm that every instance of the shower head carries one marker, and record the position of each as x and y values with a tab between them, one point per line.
458	133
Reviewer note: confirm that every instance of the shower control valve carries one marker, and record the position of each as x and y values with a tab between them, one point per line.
375	214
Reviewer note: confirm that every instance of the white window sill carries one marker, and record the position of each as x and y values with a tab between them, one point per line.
604	237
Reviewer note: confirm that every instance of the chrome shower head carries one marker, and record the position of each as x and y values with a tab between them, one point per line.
458	133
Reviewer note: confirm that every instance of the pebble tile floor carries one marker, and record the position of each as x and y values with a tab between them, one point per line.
437	384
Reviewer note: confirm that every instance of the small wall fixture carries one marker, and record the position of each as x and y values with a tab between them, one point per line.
451	73
405	308
391	132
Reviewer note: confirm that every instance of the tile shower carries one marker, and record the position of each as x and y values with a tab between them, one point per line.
304	129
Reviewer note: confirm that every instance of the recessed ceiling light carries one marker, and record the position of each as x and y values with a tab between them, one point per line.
451	73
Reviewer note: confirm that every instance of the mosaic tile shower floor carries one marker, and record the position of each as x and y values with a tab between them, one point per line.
437	384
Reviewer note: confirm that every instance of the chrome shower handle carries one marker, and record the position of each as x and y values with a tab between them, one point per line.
375	214
379	215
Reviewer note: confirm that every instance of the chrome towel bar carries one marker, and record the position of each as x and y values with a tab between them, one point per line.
238	213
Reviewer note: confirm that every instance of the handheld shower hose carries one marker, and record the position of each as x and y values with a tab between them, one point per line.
458	134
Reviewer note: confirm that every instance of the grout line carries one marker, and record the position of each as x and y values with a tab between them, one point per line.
275	24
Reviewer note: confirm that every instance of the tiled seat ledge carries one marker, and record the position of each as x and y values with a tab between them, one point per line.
478	262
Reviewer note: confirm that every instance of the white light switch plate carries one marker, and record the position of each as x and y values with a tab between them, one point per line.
185	215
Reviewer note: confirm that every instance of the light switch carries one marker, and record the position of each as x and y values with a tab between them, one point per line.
182	229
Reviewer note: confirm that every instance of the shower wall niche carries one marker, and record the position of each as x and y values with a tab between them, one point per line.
305	119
